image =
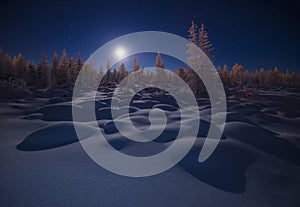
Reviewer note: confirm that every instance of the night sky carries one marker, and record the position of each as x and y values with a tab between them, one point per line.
253	33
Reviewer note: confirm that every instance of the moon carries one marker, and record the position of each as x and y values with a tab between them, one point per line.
120	52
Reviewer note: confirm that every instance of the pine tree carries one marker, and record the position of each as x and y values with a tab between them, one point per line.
262	77
9	69
108	72
31	74
159	61
193	34
226	75
20	66
236	74
136	66
63	68
54	69
78	66
114	75
100	76
194	60
204	42
275	76
122	72
43	72
71	71
246	77
159	64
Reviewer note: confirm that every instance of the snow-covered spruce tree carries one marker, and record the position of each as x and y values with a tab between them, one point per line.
236	74
9	70
275	79
194	60
136	65
54	69
63	68
246	78
20	66
100	75
121	72
138	77
30	74
256	79
88	75
78	66
114	75
204	43
226	75
43	72
262	77
159	63
71	76
160	75
107	77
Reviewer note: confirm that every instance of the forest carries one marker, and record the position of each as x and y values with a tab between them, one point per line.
17	73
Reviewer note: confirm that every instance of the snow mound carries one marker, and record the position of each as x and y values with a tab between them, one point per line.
225	169
264	140
144	104
105	113
56	112
98	104
54	135
166	107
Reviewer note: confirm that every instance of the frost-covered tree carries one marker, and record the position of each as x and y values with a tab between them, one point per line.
100	74
43	72
9	70
193	34
275	76
63	68
226	74
136	65
30	74
114	75
159	63
194	60
122	72
54	69
236	74
79	64
108	72
246	78
21	66
262	77
160	74
204	43
71	71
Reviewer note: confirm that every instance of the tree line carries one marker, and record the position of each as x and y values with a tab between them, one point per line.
17	73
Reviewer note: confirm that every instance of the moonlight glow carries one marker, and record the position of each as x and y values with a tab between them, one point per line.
120	52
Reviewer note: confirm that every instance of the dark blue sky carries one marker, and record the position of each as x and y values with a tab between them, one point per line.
253	33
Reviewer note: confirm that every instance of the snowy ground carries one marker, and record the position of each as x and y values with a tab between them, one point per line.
257	162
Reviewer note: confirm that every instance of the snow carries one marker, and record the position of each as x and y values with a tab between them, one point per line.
256	163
